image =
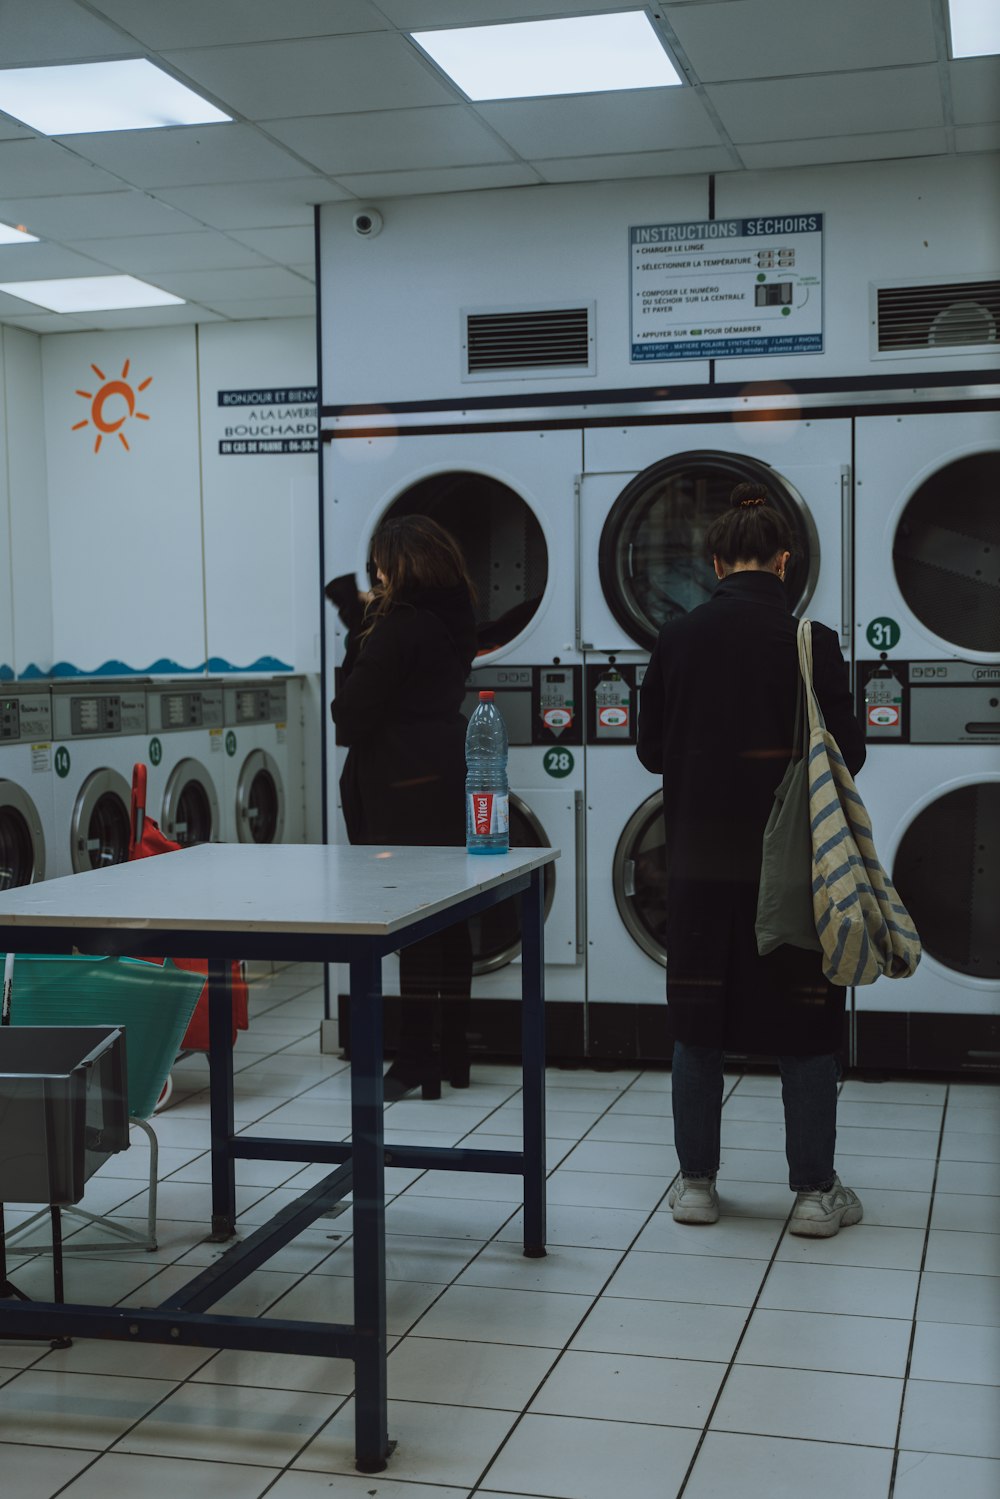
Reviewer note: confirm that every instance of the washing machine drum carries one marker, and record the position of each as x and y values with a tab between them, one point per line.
639	878
652	558
260	800
946	553
190	805
100	830
22	841
947	872
496	932
499	537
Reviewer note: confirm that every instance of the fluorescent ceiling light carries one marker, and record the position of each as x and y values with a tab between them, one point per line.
526	59
94	96
90	293
13	234
975	27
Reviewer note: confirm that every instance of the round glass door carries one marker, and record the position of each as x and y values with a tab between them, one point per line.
947	872
100	830
639	878
496	932
946	553
260	810
501	541
22	843
190	805
652	559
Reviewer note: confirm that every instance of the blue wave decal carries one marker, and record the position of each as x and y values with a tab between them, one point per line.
263	664
163	667
6	673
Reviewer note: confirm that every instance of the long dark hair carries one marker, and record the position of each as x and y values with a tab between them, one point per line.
751	530
414	553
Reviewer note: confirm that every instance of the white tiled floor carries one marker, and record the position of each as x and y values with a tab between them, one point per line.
640	1359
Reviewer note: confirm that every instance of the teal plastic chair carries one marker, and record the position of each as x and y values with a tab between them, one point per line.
153	1004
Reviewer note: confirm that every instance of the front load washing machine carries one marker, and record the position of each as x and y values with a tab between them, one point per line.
264	788
98	732
25	783
184	755
649	494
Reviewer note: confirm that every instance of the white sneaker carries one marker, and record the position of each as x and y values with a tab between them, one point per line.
694	1200
819	1215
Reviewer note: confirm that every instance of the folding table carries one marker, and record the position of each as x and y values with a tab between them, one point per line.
303	903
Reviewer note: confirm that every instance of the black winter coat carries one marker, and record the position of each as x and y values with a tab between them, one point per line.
398	711
716	718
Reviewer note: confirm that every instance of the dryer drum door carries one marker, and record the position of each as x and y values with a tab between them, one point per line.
639	878
652	558
260	800
947	872
22	842
190	804
100	828
496	932
946	553
500	539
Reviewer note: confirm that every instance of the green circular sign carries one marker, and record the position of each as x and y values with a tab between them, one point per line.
230	743
786	312
883	633
61	762
557	762
155	752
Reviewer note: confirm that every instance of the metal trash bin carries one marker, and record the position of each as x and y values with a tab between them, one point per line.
63	1109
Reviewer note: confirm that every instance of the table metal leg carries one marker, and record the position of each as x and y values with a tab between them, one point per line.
371	1433
220	1062
533	1064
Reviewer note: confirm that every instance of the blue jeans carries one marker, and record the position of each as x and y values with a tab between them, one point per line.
808	1091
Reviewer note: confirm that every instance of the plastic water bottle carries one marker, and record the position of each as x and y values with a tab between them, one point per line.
487	812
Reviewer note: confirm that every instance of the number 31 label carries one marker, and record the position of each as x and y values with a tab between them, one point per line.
882	634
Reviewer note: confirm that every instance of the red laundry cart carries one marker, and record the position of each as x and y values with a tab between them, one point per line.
145	841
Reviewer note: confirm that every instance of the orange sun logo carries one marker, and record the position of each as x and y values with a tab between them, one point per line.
116	391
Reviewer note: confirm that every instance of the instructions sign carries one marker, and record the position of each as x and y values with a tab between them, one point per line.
269	419
727	288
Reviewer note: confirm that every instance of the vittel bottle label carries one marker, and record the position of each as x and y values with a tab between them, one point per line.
489	812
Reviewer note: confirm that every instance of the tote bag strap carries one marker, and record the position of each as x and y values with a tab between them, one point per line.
814	711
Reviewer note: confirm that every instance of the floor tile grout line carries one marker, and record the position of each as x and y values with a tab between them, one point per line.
916	1300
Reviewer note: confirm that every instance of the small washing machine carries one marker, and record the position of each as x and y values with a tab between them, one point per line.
98	733
263	786
26	812
184	755
931	785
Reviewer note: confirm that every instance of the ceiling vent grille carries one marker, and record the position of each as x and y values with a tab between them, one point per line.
529	340
961	314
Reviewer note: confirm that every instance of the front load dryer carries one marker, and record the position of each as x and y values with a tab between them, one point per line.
26	812
98	732
263	800
184	756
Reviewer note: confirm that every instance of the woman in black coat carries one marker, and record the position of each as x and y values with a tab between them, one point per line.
717	712
398	710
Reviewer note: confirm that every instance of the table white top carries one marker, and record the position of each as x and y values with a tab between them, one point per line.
245	887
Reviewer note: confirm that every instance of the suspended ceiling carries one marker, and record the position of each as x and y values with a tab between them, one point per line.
333	102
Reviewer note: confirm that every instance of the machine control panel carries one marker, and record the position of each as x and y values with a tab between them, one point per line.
185	708
84	714
613	701
256	702
25	717
929	702
539	704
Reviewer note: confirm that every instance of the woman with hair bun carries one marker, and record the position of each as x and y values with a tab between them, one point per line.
398	710
717	714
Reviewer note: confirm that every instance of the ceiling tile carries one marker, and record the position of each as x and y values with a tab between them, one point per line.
150	317
200	251
42	261
58	31
280	244
206	286
278	307
440	180
307	272
977	138
636	120
418	15
186	155
975	90
844	148
32	166
392	140
11	130
93	216
326	75
254	205
886	99
45	322
637	164
192	23
768	38
16	305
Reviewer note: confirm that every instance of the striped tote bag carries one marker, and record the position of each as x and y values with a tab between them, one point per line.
863	927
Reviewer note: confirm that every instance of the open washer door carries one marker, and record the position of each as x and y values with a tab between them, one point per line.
22	841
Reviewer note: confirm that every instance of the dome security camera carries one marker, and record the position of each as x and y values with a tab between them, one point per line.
367	223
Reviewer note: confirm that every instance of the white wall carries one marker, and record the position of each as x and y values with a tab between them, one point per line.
391	305
25	577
